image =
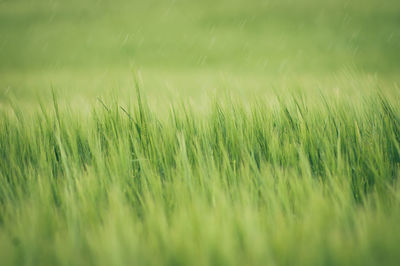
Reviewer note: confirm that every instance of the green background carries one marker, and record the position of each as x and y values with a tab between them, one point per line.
85	49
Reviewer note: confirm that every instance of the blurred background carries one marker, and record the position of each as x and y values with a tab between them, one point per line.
183	48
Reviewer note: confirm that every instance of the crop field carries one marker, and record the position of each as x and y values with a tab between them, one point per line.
184	132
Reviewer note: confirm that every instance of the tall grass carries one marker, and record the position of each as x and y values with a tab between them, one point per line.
289	183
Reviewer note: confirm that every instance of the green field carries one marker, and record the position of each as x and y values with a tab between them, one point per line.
199	132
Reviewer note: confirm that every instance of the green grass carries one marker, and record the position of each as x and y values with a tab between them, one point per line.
284	183
252	132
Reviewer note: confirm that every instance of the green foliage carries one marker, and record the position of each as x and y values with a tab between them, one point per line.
289	183
297	163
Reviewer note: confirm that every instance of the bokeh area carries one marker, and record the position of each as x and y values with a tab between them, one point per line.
86	49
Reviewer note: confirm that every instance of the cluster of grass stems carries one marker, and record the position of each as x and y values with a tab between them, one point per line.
289	183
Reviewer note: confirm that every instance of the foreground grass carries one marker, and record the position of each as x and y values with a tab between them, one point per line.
289	183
